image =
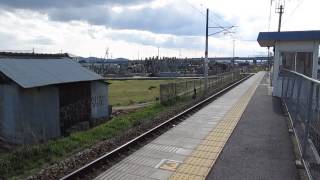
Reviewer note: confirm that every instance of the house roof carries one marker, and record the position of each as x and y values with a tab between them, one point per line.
32	55
36	72
267	39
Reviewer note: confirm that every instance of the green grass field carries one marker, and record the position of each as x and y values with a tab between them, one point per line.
128	92
27	160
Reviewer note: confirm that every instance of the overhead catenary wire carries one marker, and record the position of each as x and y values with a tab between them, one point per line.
195	8
210	19
269	19
223	29
218	26
293	11
218	17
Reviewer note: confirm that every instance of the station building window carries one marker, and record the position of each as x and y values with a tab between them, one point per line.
288	60
300	62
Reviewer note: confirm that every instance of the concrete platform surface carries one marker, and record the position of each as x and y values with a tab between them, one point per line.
190	149
260	146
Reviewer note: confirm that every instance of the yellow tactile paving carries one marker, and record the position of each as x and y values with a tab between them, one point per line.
221	132
193	170
201	160
214	138
213	149
181	176
205	154
212	143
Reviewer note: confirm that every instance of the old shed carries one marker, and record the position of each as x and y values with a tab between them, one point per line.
42	96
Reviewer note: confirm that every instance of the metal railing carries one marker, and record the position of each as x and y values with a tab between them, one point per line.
301	97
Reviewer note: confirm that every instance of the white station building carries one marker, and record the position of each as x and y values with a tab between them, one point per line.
293	50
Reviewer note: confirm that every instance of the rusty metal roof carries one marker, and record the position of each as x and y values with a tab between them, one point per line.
29	73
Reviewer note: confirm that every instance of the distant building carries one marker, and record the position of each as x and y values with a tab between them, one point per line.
42	96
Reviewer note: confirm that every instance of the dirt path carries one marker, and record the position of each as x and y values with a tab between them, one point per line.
120	110
134	106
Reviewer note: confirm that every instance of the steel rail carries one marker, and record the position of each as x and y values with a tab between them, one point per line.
86	169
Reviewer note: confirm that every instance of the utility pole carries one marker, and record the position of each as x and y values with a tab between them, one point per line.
233	52
280	10
106	55
158	53
206	54
269	59
206	60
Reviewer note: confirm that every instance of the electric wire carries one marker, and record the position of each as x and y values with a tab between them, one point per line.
269	20
293	11
210	19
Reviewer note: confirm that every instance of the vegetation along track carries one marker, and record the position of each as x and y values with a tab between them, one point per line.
99	165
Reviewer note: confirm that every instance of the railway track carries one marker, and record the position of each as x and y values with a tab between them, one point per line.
104	162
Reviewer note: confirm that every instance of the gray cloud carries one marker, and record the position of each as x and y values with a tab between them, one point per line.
177	19
168	19
47	4
96	15
188	42
7	41
41	40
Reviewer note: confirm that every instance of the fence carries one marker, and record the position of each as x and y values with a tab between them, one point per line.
301	96
193	88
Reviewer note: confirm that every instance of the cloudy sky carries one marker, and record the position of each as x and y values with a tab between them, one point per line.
132	28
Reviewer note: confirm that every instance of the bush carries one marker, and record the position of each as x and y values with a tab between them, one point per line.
152	87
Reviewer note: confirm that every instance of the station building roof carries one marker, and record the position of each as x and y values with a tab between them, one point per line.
268	39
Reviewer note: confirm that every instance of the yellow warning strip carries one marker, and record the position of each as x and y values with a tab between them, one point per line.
202	159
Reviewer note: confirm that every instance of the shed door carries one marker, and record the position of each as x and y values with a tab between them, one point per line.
75	104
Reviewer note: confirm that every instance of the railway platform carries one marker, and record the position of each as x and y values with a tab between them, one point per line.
240	135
